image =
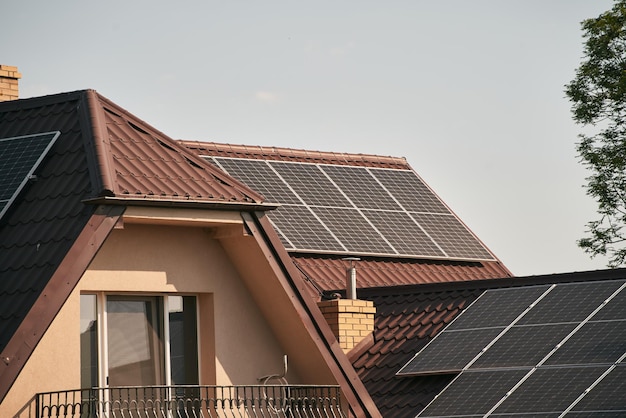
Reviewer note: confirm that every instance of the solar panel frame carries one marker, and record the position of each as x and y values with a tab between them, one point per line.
24	154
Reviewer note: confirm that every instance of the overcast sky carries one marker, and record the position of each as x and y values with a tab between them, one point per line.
469	92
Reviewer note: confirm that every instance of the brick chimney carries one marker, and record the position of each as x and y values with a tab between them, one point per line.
351	320
8	83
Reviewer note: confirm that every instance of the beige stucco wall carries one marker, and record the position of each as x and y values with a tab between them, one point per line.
238	345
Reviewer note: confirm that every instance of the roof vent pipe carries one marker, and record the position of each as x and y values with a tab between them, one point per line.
351	278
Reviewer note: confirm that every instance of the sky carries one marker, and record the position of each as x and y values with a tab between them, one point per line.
469	92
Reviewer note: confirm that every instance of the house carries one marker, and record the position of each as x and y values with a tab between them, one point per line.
203	278
536	346
129	266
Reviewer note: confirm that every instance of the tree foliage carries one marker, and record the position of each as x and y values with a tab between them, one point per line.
598	97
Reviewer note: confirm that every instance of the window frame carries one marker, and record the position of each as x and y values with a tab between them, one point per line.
102	355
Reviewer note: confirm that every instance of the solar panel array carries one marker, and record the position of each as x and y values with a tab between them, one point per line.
354	210
19	158
549	351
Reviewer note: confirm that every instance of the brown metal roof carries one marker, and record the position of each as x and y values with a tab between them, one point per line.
138	161
296	155
329	273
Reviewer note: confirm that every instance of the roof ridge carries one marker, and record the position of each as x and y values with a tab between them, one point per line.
249	151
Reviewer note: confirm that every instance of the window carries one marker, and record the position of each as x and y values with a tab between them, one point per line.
138	340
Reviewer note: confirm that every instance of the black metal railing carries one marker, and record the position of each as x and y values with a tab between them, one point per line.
253	401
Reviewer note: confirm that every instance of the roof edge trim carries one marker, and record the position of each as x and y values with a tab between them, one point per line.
182	203
99	134
354	391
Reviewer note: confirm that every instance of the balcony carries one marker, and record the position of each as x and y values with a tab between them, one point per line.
193	402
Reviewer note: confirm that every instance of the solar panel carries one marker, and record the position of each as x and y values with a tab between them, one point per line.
364	209
497	307
450	351
549	390
19	159
353	230
303	229
523	346
410	191
473	393
403	234
310	183
570	336
594	343
361	187
614	309
570	302
451	235
259	176
607	397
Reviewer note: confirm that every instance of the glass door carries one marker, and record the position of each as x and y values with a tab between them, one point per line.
135	341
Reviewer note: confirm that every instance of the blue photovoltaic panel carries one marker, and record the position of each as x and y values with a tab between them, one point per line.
473	330
614	309
451	235
19	158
